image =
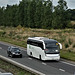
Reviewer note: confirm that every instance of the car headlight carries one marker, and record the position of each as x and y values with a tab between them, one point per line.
56	50
13	53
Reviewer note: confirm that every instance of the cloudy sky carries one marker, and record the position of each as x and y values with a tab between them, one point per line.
70	3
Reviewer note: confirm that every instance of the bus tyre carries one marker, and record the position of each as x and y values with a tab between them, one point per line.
57	60
21	56
12	55
8	55
30	53
40	57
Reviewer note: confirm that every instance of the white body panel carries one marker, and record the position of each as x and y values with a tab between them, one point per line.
37	51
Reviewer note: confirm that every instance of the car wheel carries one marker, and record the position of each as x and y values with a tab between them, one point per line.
12	55
21	56
57	60
8	55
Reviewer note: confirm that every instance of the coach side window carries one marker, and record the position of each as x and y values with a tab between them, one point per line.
35	43
28	41
32	42
40	44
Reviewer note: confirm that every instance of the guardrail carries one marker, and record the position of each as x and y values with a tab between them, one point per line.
6	74
21	66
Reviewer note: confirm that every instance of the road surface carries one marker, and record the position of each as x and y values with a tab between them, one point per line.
47	67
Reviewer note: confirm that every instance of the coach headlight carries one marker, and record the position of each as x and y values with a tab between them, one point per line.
57	50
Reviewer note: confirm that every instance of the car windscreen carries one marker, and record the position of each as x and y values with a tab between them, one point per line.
15	50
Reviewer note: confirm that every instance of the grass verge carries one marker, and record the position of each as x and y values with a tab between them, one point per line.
8	67
12	41
67	55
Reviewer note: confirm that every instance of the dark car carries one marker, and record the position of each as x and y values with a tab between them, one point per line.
14	51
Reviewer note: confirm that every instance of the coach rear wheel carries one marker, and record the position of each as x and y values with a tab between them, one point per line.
30	53
40	57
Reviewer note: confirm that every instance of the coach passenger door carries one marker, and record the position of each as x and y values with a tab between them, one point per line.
41	49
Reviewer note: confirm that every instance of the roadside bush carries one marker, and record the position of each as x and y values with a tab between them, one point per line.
12	33
19	27
70	41
69	50
25	37
19	37
66	45
14	37
62	38
2	27
74	26
2	33
74	46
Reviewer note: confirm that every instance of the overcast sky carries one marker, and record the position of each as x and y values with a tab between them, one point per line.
70	3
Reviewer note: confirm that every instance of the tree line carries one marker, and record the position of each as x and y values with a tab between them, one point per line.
36	14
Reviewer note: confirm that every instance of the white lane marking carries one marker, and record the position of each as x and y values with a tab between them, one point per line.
30	58
0	47
44	63
67	63
62	70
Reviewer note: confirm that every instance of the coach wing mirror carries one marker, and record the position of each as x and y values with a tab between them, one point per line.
60	45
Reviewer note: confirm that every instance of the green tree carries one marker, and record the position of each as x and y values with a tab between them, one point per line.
8	16
26	3
2	16
21	13
60	15
31	13
47	14
39	12
14	15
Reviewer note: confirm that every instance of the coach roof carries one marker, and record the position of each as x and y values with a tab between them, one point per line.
43	39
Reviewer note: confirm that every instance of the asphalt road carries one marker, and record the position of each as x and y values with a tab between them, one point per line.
47	67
